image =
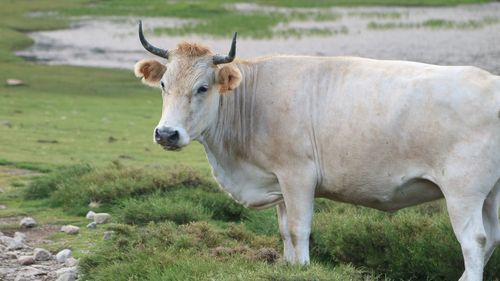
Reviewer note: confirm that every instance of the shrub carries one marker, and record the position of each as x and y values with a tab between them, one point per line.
221	206
75	187
413	244
158	208
44	185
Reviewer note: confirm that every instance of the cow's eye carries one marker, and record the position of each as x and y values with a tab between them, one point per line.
202	89
162	85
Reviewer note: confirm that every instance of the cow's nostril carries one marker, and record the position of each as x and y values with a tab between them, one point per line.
173	136
157	134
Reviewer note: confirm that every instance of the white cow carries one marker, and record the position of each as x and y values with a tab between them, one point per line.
282	130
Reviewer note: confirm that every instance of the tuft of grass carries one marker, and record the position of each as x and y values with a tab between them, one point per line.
219	205
109	185
157	208
43	186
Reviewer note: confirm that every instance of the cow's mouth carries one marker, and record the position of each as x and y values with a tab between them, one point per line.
169	147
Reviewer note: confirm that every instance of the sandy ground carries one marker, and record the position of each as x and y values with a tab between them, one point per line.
113	42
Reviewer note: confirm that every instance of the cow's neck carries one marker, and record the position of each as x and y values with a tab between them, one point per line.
229	144
231	133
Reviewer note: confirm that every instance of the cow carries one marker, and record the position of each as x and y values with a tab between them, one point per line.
282	130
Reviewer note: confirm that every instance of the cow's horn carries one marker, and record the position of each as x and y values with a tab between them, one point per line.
218	59
150	48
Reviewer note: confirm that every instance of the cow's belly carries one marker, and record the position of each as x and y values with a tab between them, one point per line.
386	194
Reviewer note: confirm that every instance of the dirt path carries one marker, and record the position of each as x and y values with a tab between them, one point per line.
20	261
462	35
17	245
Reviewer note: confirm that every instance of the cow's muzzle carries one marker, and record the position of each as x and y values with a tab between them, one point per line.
168	138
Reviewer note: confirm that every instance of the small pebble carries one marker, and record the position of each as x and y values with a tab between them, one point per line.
90	215
26	260
63	255
14	82
70	229
100	218
71	262
42	254
27	222
107	235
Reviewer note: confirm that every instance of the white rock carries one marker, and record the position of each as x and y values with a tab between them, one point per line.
100	218
26	260
63	255
11	243
92	225
29	274
65	270
27	222
14	82
71	262
90	215
68	276
2	207
11	255
42	254
70	229
19	236
107	235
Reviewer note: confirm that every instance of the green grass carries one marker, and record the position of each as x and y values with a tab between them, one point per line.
329	3
379	15
166	251
437	24
67	115
202	228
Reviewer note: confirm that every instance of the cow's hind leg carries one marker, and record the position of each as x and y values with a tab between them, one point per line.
472	205
490	221
467	220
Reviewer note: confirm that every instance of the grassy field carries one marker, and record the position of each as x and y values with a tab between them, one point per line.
170	221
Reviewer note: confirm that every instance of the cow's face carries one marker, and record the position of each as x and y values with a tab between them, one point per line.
191	85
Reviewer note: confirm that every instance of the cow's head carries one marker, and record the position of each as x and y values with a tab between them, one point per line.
191	82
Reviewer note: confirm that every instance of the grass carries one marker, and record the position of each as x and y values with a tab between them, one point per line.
329	3
189	252
379	15
69	115
437	24
185	224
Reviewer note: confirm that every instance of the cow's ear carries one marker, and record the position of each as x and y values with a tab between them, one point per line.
228	77
151	72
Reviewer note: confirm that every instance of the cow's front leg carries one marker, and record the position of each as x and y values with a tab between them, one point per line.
298	195
289	252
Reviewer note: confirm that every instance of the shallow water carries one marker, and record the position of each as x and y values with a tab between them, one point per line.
113	42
